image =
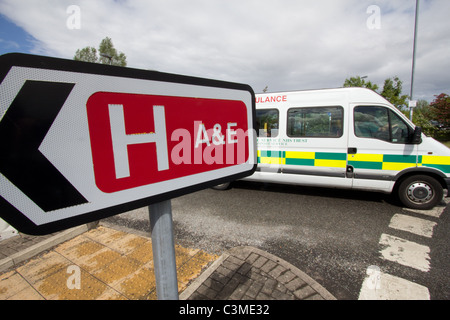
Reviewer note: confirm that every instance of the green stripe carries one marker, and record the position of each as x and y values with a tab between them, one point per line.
300	162
273	154
366	165
399	158
330	156
443	167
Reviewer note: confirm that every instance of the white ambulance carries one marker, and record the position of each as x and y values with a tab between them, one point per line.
348	138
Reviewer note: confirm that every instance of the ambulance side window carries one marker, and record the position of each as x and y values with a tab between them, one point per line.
380	123
400	131
319	122
267	121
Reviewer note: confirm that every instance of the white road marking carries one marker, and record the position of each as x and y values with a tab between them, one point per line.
435	212
382	286
414	225
405	252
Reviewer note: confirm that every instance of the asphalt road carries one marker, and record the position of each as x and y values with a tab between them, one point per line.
332	235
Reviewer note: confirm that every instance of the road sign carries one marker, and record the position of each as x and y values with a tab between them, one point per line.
82	141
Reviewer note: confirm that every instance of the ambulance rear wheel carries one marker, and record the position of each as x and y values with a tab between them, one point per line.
420	192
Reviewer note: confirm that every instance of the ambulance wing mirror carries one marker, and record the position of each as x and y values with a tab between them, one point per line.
416	136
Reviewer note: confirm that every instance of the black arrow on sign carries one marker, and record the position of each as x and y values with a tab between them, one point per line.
22	130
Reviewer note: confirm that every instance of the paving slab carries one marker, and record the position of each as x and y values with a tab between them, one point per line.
248	273
100	264
104	263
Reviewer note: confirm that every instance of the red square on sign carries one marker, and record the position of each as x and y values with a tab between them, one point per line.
139	139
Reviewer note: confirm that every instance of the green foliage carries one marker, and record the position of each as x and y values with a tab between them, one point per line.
392	91
88	54
107	54
360	82
422	119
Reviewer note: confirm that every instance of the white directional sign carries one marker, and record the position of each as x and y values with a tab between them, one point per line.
82	141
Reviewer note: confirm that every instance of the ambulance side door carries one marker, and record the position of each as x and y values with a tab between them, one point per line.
378	146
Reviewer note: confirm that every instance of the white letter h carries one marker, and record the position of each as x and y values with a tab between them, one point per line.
121	140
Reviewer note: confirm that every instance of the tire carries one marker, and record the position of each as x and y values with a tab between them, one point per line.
420	192
222	186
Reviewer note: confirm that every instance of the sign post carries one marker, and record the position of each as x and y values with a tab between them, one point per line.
163	250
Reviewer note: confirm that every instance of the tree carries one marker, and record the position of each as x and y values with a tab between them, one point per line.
422	117
107	54
359	82
88	54
392	91
441	109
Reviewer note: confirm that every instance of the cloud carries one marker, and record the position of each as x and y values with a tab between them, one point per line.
12	45
286	44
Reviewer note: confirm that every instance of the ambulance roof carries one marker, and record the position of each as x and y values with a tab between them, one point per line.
320	96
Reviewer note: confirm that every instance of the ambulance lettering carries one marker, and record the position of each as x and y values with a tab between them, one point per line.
280	98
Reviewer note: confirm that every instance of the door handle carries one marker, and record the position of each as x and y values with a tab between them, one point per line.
352	150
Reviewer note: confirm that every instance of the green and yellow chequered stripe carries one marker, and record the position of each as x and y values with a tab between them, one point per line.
316	159
381	161
358	161
438	162
397	162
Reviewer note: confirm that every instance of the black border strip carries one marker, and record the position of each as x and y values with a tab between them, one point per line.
9	60
18	220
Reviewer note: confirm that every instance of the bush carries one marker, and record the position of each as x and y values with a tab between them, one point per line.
442	135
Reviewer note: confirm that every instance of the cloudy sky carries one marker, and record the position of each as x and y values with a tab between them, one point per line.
282	44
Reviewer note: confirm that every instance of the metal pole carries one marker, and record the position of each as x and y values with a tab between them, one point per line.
163	250
414	57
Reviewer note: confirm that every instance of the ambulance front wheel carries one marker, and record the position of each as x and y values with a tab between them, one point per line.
223	186
420	192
